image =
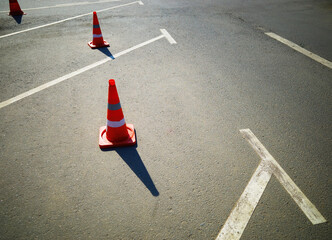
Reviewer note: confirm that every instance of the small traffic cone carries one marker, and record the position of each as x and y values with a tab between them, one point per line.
15	9
97	40
116	133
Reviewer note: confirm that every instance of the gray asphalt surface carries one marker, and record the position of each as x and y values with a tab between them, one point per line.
187	102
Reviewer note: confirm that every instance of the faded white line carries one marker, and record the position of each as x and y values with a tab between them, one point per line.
168	36
66	5
75	73
51	83
241	214
296	47
67	19
138	46
294	191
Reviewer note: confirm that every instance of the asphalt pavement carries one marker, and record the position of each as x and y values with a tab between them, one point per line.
188	94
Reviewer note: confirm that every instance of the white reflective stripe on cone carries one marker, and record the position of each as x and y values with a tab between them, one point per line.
115	124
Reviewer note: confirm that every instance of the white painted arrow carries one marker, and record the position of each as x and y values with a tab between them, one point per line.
240	215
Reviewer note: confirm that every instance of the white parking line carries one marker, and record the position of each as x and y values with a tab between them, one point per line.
68	19
168	36
66	5
296	47
241	213
245	206
75	73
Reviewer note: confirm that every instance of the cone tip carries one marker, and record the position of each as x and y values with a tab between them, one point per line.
94	13
111	82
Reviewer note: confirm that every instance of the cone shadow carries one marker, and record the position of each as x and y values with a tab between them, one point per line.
131	157
106	52
18	18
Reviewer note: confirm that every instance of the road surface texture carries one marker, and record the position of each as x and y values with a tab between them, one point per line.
188	102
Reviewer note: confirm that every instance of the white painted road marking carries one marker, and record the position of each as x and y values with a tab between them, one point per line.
66	5
68	19
70	75
300	49
168	36
294	191
241	213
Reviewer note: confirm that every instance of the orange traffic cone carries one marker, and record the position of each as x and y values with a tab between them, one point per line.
97	40
15	9
116	133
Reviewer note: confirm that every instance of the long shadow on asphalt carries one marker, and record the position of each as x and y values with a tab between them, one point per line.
18	18
131	157
106	52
